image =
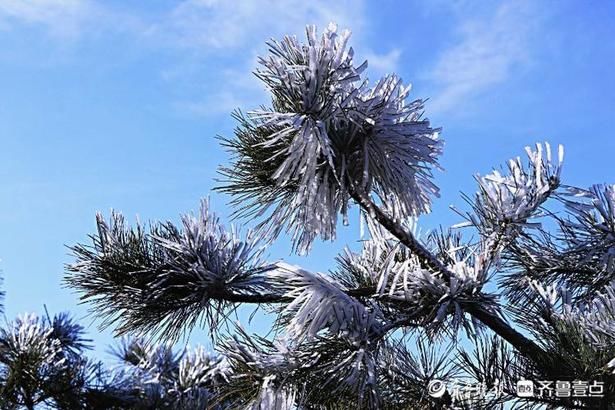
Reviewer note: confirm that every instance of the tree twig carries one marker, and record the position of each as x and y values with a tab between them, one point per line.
523	344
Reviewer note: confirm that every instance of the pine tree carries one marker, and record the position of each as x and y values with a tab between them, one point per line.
532	288
43	364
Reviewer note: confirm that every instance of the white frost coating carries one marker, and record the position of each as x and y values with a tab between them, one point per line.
333	131
30	337
216	258
273	397
398	274
398	148
549	294
198	367
596	317
358	372
506	201
319	303
268	366
316	83
469	274
593	228
183	380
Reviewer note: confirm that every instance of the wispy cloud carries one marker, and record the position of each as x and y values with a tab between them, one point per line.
489	46
235	87
217	24
238	31
63	18
197	32
68	21
380	64
489	50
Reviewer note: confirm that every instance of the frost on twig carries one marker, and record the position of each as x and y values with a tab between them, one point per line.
166	278
423	296
327	131
157	376
318	304
578	336
506	203
261	372
42	362
591	230
579	254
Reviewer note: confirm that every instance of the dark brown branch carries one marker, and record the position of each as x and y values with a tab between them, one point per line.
520	342
248	298
276	298
426	257
504	330
524	345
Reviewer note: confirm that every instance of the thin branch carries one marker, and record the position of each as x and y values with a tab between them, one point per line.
499	326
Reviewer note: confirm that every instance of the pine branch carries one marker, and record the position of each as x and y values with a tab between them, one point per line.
495	323
165	278
329	138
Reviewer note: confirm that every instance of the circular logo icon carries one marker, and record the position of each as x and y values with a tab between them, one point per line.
436	388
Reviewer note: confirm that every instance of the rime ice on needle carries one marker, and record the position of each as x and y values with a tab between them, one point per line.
505	202
329	133
330	139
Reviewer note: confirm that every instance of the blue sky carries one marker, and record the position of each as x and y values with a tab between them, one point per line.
116	104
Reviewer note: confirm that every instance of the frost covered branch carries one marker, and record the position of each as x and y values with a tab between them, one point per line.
327	130
505	204
166	278
330	140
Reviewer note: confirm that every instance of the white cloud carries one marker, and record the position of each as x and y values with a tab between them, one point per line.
488	52
200	31
218	24
236	88
380	64
61	17
238	31
220	103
